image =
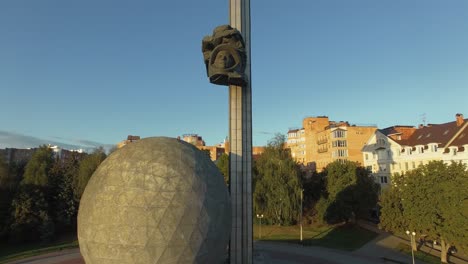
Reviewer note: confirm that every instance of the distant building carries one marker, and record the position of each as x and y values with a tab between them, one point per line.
215	151
321	141
22	156
257	151
399	149
193	139
14	155
129	140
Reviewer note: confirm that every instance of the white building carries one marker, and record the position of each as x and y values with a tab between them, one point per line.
399	149
296	143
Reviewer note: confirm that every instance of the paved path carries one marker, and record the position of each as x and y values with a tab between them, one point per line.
68	256
385	242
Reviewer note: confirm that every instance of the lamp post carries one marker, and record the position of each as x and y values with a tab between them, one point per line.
260	216
412	238
302	197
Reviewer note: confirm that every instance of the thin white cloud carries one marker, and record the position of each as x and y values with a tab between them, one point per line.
16	140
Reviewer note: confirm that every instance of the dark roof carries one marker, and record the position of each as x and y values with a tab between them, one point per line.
441	134
461	139
294	130
393	130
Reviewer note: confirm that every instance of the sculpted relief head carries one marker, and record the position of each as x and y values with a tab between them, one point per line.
225	56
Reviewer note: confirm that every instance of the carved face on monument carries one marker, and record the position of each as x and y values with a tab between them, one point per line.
223	60
225	56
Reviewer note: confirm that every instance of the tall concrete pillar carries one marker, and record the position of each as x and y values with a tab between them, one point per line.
240	135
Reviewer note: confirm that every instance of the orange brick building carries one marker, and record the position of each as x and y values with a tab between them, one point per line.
323	141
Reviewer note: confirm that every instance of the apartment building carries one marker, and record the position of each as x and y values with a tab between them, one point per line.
399	149
321	141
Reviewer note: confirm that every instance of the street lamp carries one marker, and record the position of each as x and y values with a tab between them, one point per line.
413	240
302	193
260	216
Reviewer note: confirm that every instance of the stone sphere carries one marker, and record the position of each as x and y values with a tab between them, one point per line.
157	200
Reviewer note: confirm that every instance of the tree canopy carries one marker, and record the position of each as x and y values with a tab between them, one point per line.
431	200
223	165
86	169
277	184
37	169
350	192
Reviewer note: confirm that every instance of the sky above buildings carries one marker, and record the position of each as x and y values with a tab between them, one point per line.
89	73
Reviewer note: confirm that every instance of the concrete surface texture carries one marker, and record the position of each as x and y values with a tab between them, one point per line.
159	200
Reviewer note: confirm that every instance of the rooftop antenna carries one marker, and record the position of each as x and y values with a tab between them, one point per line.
423	118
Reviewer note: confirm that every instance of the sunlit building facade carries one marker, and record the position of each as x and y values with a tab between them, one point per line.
399	149
321	141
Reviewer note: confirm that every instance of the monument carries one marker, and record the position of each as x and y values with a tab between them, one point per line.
157	200
227	58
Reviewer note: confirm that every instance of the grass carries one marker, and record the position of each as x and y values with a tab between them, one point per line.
10	252
425	257
344	237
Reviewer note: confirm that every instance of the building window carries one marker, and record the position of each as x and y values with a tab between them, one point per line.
339	143
339	134
340	153
414	165
383	167
383	179
406	165
367	156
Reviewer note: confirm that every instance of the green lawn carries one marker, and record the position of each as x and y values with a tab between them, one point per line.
10	252
340	237
344	237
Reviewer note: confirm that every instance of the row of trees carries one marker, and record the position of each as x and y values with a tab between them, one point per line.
341	193
431	200
40	199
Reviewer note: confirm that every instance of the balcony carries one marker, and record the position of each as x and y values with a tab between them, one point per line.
322	150
322	141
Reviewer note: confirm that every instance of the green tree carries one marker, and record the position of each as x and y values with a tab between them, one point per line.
391	212
433	200
4	175
350	192
314	187
30	215
5	196
10	177
87	167
277	184
223	165
37	169
30	206
64	207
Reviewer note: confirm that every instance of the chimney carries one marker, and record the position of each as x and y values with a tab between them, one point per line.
459	119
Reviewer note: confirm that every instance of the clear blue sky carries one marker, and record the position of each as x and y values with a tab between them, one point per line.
92	72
